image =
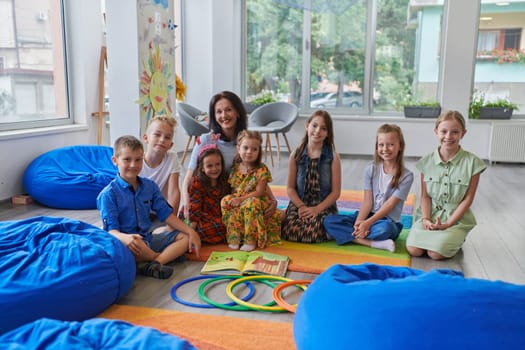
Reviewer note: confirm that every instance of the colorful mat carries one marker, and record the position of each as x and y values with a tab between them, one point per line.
315	258
208	332
349	202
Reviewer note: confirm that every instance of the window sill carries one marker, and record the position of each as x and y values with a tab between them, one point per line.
24	133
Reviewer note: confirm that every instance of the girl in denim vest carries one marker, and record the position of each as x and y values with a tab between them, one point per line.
314	182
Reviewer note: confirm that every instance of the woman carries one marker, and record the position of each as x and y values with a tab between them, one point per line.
228	118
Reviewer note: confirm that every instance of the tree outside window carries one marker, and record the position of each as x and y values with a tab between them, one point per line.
375	57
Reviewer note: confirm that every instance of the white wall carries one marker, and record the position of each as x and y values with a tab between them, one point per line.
212	62
123	68
211	49
357	135
19	148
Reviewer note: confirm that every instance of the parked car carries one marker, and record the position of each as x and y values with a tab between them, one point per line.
352	99
318	95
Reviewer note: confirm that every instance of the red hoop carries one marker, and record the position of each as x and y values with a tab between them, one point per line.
279	298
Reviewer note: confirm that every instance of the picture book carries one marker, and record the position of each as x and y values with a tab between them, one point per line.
245	263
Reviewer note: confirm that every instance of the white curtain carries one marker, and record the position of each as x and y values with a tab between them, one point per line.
488	40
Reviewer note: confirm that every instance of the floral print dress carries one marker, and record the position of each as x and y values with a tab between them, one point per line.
307	231
247	222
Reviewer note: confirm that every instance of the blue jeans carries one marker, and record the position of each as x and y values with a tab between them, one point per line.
341	227
159	241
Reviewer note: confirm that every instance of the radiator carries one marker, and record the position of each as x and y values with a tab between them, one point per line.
507	142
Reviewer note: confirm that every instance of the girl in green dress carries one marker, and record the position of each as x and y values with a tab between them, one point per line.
449	179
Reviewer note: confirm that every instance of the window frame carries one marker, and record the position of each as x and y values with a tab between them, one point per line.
54	121
368	90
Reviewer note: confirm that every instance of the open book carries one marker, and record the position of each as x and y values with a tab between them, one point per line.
245	263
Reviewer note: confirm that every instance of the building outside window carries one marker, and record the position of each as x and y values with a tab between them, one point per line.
33	85
500	58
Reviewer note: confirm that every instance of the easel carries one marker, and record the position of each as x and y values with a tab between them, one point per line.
101	114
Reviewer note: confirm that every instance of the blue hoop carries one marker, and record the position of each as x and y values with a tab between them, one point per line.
174	296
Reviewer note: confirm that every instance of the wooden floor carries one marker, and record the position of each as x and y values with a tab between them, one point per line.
494	250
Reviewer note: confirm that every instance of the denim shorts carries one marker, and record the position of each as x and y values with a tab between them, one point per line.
159	241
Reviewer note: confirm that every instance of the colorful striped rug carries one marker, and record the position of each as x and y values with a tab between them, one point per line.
208	332
349	202
315	258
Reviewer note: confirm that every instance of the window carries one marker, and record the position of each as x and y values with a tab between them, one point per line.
504	39
500	64
353	57
32	64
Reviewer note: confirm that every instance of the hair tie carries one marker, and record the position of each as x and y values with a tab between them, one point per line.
207	147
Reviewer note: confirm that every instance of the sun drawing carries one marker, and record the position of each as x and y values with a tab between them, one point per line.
156	85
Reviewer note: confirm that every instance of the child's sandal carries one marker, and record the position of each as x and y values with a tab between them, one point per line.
156	270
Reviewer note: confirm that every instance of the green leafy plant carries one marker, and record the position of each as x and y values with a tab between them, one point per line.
421	109
420	103
432	104
263	98
478	101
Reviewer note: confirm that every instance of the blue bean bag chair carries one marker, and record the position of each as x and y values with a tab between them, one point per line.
59	268
70	177
380	307
94	334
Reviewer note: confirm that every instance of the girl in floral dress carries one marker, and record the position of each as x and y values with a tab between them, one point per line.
243	210
208	185
314	182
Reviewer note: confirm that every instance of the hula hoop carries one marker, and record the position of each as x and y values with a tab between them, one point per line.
277	293
230	307
206	306
255	307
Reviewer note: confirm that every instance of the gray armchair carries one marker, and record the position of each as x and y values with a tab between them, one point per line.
193	128
274	118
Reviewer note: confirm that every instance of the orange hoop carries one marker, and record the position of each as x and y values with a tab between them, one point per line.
277	296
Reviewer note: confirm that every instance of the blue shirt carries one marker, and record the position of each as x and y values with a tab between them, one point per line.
124	209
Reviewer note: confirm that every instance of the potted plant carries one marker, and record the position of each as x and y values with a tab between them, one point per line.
480	108
262	99
423	109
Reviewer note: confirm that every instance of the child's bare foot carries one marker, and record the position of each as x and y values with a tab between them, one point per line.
233	246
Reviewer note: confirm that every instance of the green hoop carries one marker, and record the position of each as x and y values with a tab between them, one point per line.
205	298
255	307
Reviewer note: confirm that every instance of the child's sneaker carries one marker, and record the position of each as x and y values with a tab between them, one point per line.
155	269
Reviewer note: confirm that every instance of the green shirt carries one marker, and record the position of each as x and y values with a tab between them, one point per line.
447	183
